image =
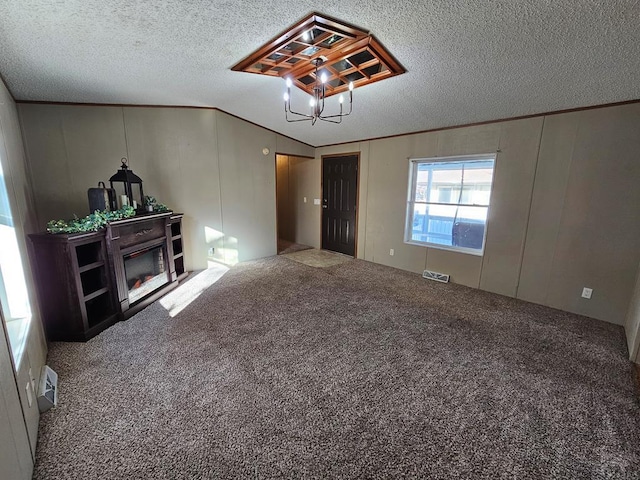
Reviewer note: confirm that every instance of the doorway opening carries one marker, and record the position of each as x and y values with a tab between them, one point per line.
292	203
339	203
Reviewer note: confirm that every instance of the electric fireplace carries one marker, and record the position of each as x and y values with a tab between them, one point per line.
145	272
143	259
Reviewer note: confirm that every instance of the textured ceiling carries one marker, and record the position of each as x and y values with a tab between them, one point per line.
466	61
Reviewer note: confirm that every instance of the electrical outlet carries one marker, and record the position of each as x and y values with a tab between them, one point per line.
391	252
586	292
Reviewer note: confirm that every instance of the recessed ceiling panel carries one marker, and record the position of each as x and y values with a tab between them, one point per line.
349	54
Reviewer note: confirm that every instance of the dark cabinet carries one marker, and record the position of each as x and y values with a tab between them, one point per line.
87	282
75	284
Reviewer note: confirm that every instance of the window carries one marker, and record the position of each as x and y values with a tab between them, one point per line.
14	298
449	201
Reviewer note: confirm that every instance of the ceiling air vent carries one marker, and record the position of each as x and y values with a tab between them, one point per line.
438	277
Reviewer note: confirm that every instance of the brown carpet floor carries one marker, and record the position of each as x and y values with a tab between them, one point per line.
352	371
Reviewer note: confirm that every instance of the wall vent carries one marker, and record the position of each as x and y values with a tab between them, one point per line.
48	389
438	277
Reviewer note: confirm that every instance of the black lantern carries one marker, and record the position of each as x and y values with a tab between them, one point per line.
128	187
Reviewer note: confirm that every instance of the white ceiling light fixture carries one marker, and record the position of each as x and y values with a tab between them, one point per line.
317	101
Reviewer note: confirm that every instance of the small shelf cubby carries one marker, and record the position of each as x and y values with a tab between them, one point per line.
93	280
98	309
88	254
177	245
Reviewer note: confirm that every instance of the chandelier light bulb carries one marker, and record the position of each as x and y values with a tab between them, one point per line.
317	95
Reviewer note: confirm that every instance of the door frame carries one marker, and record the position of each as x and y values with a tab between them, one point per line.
333	155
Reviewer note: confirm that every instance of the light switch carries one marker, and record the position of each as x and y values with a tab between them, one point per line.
29	398
304	199
33	380
316	201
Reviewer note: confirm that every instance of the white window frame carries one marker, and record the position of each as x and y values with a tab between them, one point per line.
16	311
413	168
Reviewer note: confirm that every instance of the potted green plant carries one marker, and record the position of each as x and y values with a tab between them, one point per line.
149	203
152	205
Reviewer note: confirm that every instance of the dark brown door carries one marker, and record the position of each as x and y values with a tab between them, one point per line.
339	195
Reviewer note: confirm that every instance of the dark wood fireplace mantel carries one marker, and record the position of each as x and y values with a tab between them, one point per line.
87	282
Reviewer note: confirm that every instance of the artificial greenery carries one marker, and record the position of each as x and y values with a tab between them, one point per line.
91	223
99	219
150	201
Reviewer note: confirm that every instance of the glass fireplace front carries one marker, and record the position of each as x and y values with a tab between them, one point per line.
146	271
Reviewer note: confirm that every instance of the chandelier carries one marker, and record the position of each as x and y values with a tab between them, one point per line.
316	103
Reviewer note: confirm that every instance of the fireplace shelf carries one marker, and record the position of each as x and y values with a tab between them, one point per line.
87	282
96	293
91	266
177	247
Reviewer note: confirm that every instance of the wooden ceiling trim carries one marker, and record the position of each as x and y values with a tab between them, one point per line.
290	55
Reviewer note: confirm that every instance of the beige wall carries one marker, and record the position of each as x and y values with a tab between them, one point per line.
174	151
563	215
305	182
202	162
15	438
584	228
15	454
296	181
285	200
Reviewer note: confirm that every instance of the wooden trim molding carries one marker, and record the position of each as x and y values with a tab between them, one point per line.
126	105
486	122
416	132
284	154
